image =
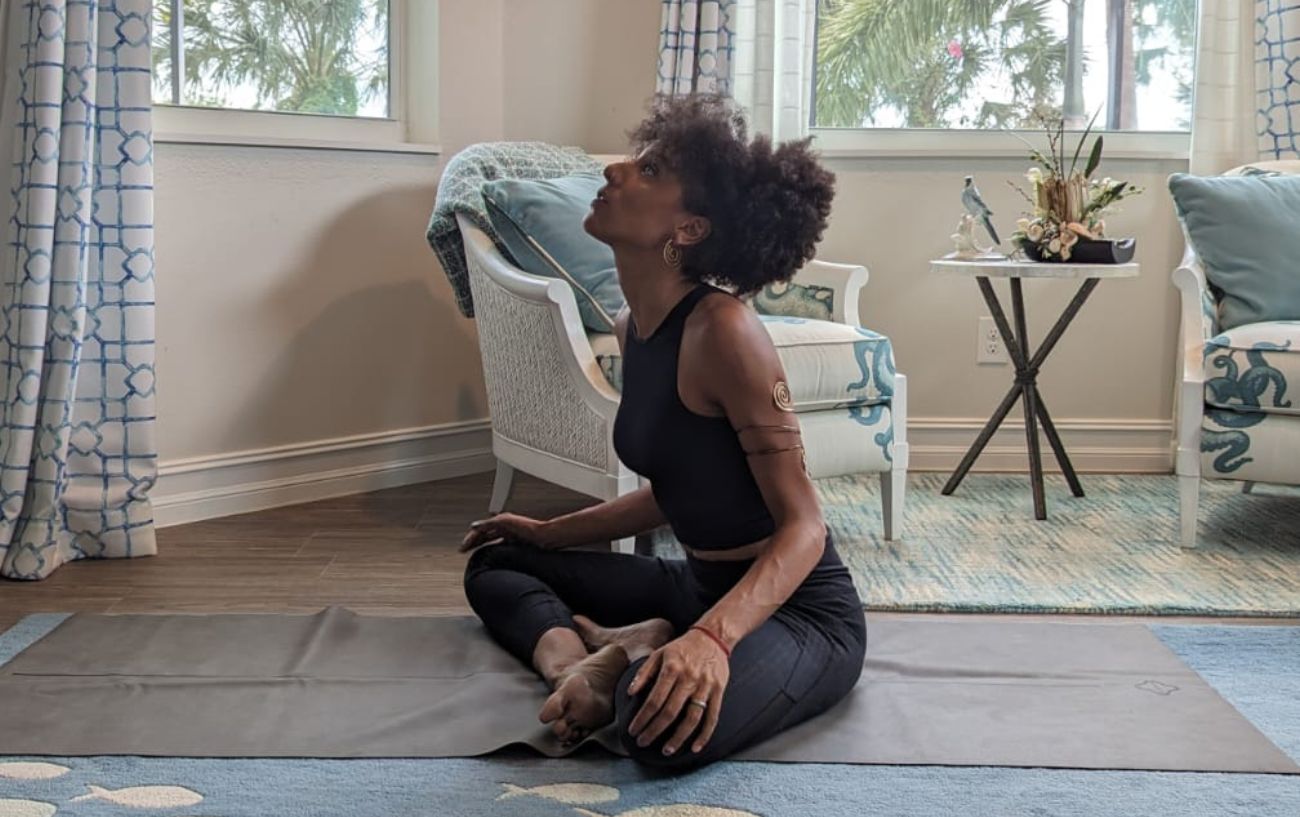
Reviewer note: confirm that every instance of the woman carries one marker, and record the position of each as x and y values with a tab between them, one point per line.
760	626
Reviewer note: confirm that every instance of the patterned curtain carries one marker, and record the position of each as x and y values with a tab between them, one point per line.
758	51
1247	99
695	47
1278	52
774	52
77	454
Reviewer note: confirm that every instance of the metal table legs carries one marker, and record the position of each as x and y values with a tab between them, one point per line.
1025	389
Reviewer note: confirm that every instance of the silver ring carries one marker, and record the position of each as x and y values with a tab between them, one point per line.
700	704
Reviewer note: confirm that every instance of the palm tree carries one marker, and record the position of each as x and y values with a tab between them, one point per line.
1122	105
1073	111
299	55
923	59
1140	36
1164	36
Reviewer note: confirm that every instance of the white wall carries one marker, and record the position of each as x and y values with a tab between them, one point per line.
298	300
303	320
1109	382
580	71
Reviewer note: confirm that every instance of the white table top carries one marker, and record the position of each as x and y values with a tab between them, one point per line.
1007	268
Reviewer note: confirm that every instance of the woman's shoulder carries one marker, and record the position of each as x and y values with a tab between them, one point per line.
724	324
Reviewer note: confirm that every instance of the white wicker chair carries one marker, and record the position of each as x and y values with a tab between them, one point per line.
553	409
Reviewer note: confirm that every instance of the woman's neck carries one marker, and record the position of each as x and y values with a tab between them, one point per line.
650	287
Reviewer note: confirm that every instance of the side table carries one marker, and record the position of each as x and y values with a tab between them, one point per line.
1027	363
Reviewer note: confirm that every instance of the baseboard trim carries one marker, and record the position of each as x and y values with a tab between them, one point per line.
1094	446
198	488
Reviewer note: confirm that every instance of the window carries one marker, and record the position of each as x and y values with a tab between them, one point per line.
328	73
299	56
993	64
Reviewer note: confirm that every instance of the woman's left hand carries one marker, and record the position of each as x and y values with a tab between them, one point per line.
691	668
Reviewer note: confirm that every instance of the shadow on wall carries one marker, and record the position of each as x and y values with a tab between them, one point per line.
358	357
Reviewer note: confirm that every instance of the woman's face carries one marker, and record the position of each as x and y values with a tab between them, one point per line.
641	206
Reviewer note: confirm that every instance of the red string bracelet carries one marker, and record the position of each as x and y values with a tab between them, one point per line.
725	649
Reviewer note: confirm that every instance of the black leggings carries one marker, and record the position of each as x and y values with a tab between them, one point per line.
797	664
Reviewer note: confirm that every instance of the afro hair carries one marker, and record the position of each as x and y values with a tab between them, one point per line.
767	205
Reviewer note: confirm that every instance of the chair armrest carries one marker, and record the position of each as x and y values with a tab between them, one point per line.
545	390
524	288
1198	321
844	282
1197	324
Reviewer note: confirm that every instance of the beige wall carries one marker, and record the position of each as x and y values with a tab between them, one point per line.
1116	361
298	301
580	70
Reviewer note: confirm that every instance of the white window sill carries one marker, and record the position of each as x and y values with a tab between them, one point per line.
853	143
294	143
177	124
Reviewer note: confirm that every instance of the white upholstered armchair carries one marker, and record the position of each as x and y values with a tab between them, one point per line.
1236	419
552	387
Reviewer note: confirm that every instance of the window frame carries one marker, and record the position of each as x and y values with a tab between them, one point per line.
410	127
932	143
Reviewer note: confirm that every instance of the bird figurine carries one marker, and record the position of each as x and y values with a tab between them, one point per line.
974	204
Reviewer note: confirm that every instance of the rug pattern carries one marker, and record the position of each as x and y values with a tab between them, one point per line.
1114	551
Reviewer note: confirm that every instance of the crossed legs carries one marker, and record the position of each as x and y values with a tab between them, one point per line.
586	621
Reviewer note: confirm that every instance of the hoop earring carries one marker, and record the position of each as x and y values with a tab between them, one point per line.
672	255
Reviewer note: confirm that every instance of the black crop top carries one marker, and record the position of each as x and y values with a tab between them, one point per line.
696	467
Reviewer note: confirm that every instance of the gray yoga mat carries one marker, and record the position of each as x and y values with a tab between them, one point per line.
337	684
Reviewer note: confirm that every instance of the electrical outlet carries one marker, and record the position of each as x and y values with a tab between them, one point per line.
989	348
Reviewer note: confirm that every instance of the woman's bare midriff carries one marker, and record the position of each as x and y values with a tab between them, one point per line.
736	554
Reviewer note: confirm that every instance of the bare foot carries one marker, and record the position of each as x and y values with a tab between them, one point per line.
639	640
583	700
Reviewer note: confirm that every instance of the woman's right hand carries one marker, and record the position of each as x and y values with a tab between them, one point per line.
506	528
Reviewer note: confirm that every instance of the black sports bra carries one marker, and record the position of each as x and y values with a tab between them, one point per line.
696	466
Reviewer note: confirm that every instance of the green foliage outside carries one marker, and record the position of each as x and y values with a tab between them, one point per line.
924	60
304	56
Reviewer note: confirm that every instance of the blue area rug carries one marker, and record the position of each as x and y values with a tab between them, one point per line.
1114	551
1255	668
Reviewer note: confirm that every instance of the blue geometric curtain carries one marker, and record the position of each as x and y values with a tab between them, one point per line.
1278	77
695	45
77	452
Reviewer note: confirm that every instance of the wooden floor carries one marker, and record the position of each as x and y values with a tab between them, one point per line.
391	552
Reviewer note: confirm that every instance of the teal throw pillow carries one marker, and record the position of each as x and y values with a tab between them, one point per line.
1246	229
540	222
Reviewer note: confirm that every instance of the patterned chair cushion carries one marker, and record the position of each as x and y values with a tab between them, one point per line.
1250	446
1255	368
827	364
795	300
852	440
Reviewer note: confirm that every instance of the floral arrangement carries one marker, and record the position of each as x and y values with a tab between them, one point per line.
1067	203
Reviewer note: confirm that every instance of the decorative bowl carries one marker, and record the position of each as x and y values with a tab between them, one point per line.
1088	251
